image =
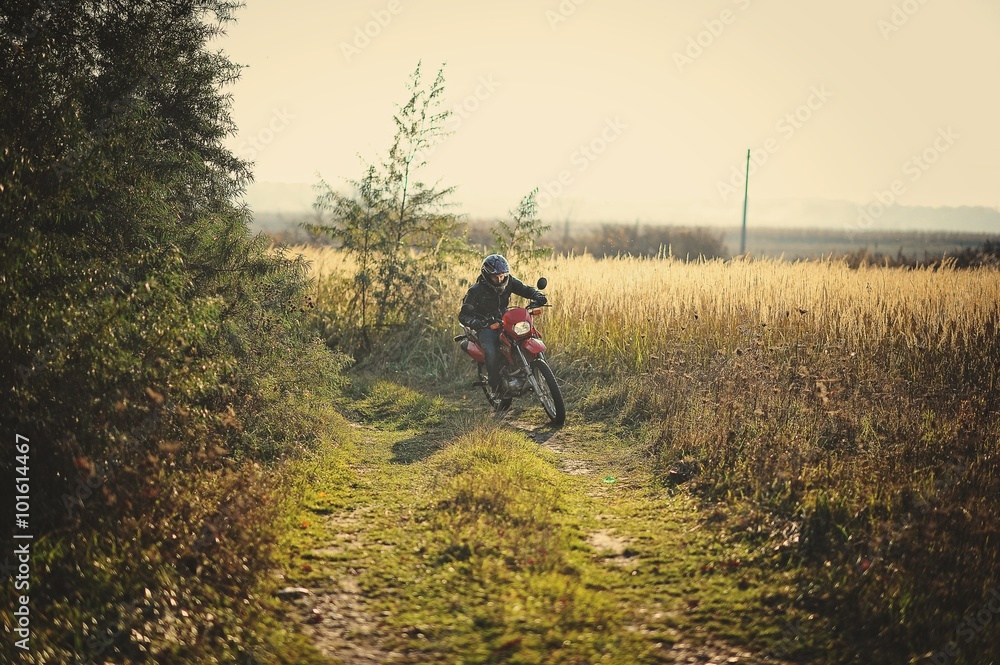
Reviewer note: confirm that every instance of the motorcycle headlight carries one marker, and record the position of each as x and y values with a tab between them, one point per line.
522	328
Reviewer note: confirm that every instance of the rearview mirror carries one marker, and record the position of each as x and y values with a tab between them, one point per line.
542	283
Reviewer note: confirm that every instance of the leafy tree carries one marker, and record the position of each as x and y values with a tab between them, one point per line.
518	240
395	226
359	228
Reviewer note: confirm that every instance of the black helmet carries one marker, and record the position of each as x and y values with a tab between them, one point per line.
496	272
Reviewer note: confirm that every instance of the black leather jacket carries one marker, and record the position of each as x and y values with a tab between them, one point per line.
482	304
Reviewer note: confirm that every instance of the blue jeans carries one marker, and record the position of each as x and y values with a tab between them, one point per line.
489	341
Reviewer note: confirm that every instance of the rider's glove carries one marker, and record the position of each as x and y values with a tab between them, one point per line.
540	299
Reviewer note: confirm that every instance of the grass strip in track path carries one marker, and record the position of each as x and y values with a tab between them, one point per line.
432	533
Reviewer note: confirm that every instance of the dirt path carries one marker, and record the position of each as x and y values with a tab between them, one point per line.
657	564
611	544
334	614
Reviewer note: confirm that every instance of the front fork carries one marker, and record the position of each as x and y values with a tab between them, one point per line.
532	381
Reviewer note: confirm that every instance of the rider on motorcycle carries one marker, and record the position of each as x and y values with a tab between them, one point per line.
485	304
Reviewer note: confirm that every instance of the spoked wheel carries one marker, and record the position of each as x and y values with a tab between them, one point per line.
548	393
499	405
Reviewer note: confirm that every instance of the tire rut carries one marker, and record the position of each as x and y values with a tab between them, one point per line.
335	616
612	548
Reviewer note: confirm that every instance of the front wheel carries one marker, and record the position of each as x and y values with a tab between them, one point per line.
548	393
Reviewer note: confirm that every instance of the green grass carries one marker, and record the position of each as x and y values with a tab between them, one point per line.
469	544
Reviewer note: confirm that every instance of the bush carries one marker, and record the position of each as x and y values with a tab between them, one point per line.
156	355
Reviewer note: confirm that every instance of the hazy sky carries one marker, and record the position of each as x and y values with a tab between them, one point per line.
637	106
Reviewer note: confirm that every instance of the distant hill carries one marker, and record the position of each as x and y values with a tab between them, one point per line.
283	201
792	228
847	216
812	243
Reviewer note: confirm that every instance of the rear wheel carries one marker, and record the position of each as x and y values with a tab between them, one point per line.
548	393
499	405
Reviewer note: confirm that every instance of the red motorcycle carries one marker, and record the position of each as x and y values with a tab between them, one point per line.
524	368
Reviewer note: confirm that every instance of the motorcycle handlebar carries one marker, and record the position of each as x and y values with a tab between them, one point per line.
496	324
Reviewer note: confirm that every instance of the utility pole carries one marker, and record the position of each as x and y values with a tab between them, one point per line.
746	192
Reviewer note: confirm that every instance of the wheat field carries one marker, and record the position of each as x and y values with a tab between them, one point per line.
712	301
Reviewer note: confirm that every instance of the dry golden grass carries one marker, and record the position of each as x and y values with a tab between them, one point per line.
325	261
647	306
644	305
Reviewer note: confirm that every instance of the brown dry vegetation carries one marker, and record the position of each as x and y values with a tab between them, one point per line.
851	412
